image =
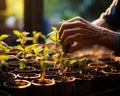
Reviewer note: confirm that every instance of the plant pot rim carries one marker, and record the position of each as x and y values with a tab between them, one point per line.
30	69
70	80
107	72
21	86
19	75
91	65
90	77
39	84
15	76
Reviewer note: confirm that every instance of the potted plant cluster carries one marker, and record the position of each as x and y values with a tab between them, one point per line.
43	85
44	69
17	87
5	73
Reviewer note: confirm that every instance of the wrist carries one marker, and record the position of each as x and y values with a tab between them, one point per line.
106	38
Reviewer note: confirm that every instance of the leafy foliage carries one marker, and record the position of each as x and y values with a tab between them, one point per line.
53	37
36	35
4	49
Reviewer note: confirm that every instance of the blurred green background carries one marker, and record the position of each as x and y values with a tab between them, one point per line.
66	9
56	10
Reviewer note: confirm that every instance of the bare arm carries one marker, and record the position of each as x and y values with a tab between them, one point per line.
84	33
101	22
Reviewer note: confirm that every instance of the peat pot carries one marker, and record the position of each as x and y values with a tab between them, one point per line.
6	77
113	80
99	81
28	76
17	87
83	83
64	87
42	89
28	69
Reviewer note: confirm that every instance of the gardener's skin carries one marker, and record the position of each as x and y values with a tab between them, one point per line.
77	33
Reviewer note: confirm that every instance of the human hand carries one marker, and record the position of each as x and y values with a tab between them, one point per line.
77	33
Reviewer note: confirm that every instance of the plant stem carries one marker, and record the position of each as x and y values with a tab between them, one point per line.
24	52
43	75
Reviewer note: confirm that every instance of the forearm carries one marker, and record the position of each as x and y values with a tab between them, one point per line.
110	39
102	22
107	38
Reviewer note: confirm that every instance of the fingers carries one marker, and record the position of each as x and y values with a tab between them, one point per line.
70	25
69	41
75	30
84	33
76	19
76	46
73	47
68	32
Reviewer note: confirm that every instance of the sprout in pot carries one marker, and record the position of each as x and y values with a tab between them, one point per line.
23	52
43	85
4	67
53	38
44	62
64	83
26	51
66	66
4	49
44	65
97	66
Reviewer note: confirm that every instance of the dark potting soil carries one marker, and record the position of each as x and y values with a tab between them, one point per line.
16	83
46	81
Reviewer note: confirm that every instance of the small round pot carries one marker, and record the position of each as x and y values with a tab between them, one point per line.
53	69
83	83
111	71
39	89
28	76
99	81
64	87
13	63
52	74
96	66
8	76
107	60
113	79
17	87
28	69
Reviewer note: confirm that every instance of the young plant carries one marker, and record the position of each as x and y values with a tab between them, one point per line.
65	64
25	51
36	36
3	64
43	56
53	38
4	49
44	65
56	59
82	63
